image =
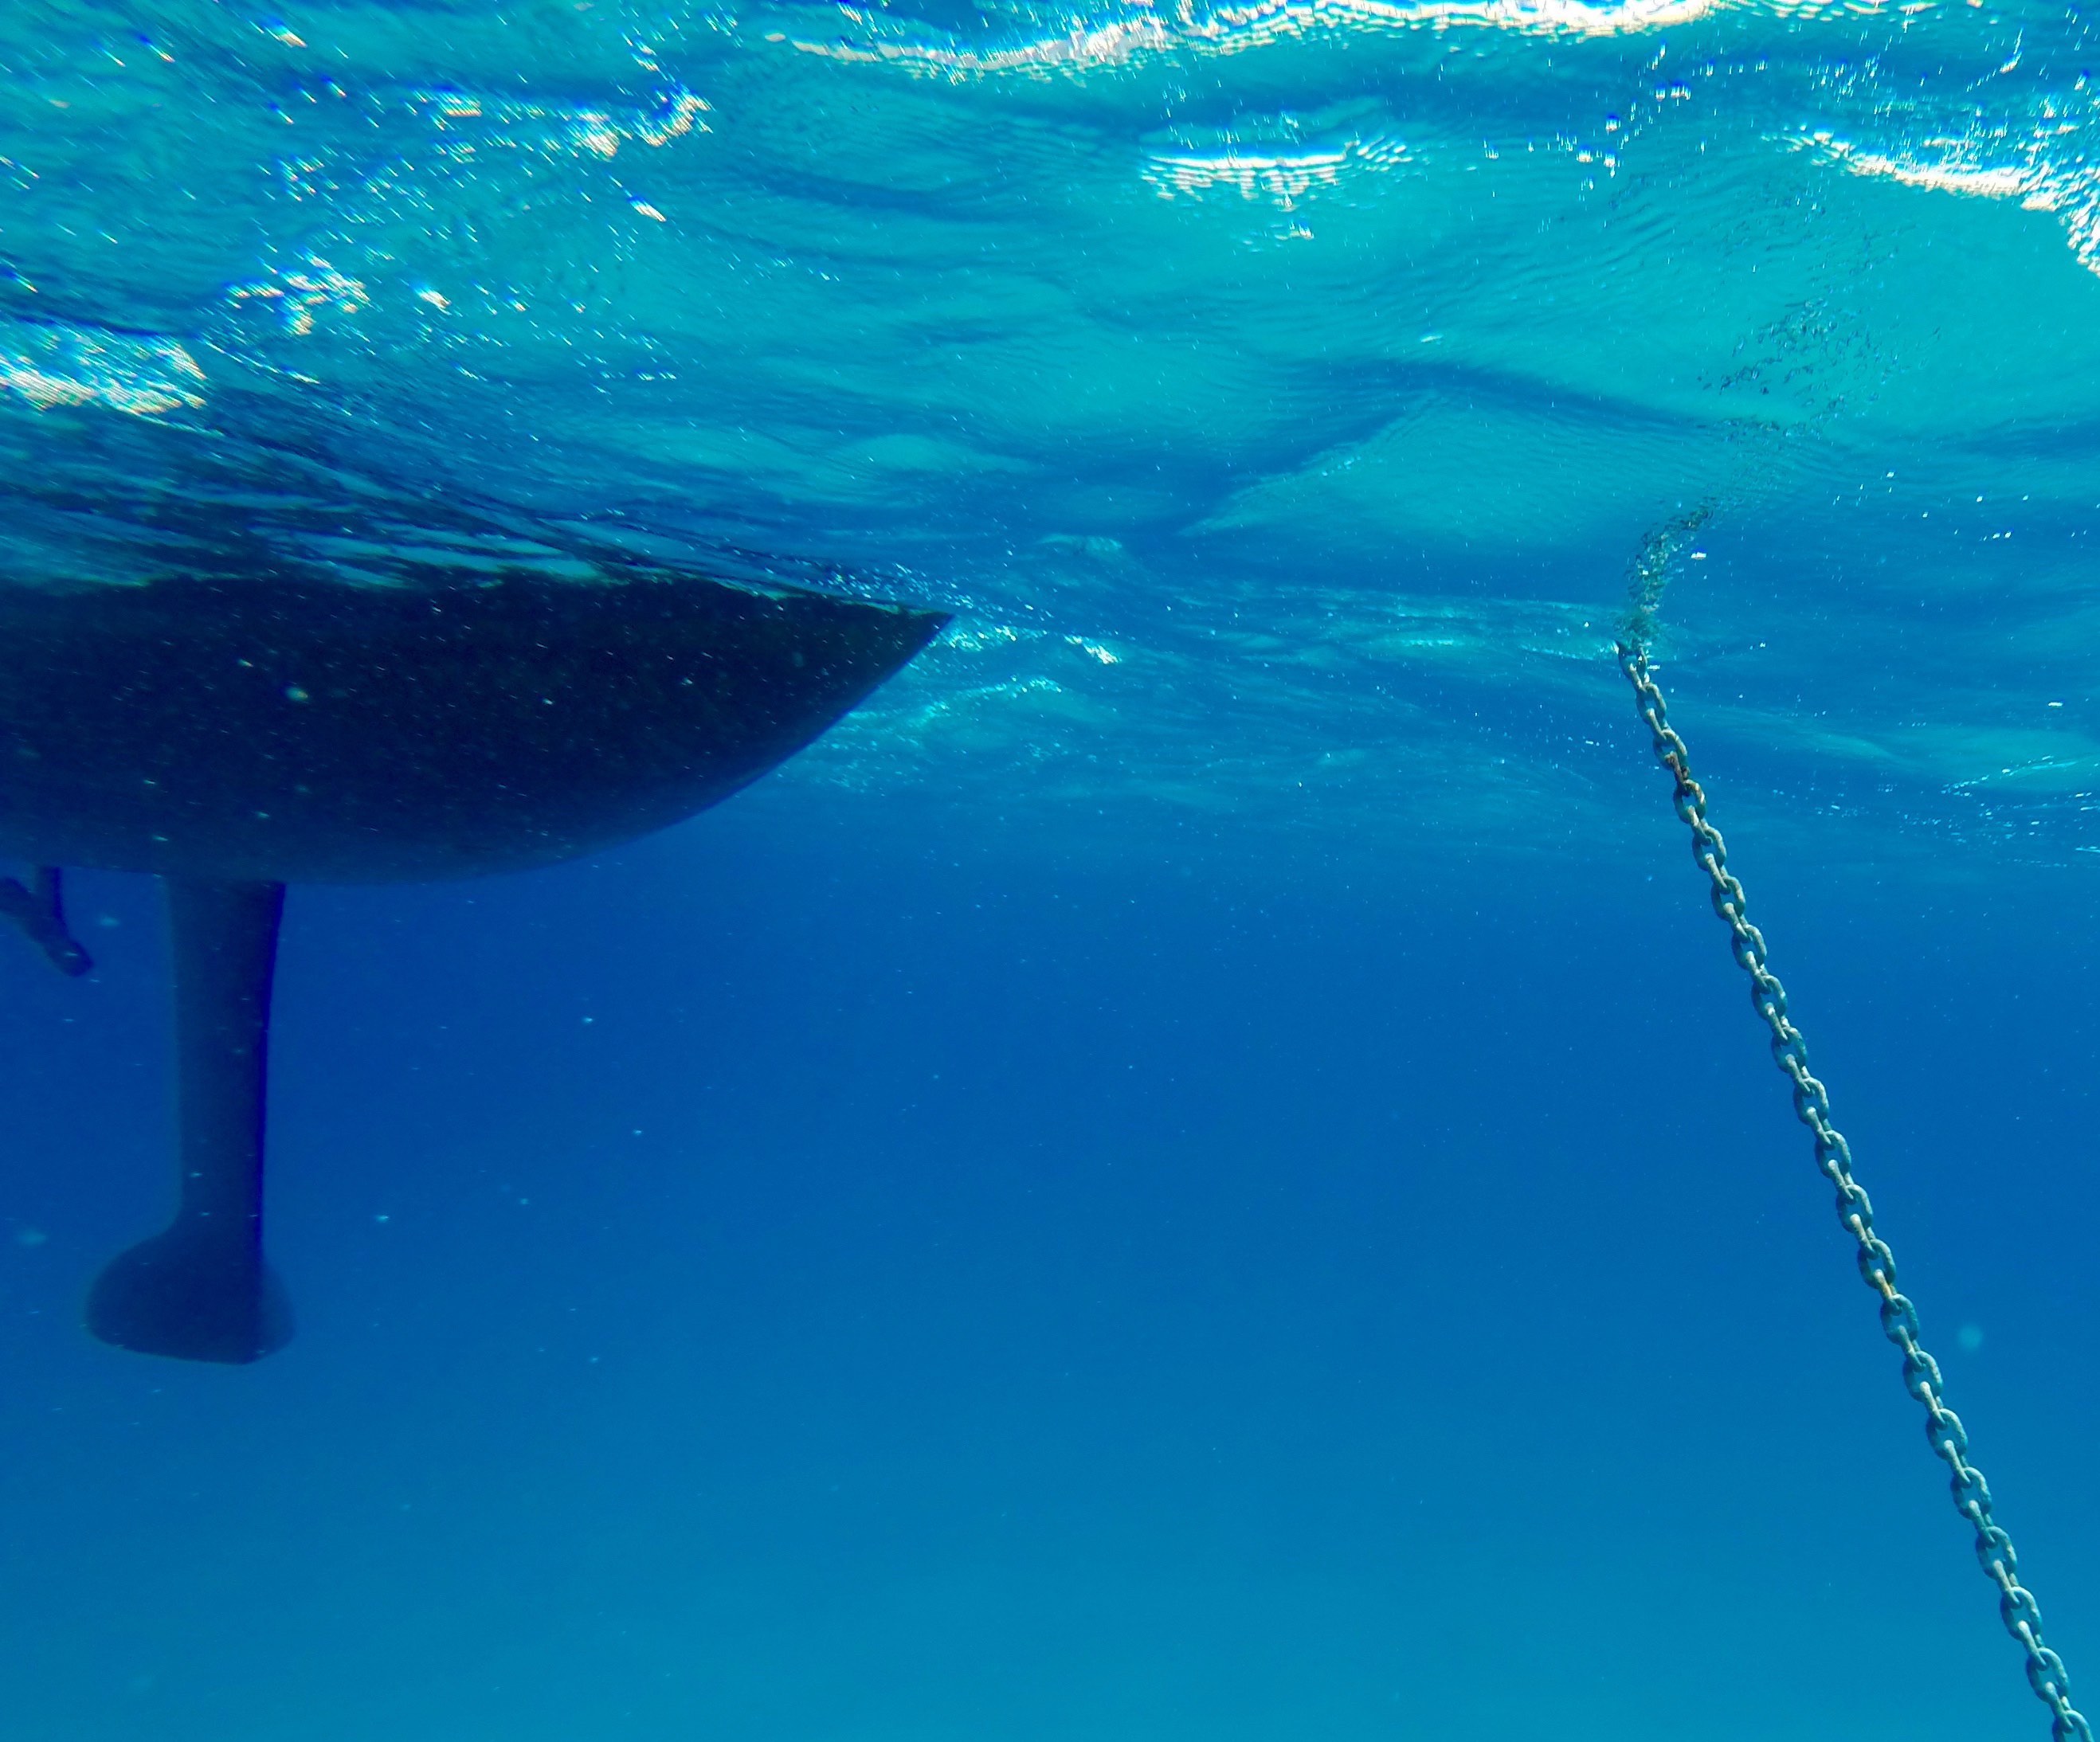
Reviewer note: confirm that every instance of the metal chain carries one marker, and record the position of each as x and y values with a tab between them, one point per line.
1878	1265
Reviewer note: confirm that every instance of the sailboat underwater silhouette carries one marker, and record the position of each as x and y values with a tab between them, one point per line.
233	732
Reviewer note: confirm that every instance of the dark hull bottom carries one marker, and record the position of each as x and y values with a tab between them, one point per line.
281	731
235	736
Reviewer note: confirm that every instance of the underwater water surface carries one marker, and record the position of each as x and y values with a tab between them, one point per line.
1197	1168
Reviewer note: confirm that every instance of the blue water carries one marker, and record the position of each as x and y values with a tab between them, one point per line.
1197	1171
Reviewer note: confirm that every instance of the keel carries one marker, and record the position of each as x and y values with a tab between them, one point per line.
202	1289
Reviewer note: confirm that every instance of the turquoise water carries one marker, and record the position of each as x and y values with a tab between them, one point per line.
1197	1169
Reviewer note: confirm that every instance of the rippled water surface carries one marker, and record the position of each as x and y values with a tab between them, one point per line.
1280	391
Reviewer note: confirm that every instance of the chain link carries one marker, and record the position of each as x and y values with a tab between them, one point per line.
1877	1265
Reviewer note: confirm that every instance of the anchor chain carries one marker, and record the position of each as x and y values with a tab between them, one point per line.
2017	1607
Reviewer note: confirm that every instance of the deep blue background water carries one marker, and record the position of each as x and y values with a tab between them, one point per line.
799	1278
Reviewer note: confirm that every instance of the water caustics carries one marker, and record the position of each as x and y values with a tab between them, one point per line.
1277	390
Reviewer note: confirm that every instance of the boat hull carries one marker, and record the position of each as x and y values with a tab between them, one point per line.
281	731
